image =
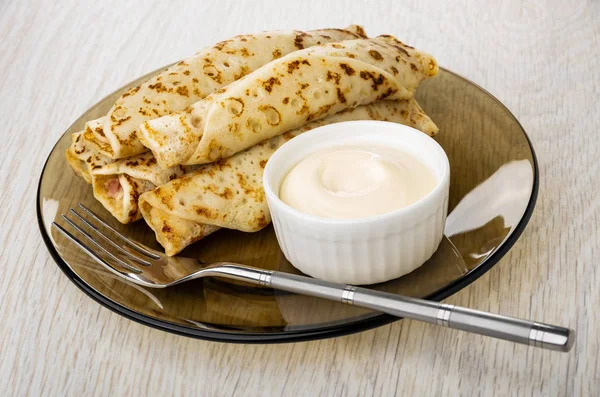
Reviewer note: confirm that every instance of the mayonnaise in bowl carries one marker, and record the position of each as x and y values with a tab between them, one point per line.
352	182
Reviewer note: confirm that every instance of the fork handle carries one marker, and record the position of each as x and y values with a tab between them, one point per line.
497	326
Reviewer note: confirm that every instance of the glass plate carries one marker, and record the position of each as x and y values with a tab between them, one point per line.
493	188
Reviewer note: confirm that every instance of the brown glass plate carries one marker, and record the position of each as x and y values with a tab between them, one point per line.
494	182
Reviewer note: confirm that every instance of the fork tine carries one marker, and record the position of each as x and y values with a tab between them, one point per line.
100	247
89	251
132	243
108	240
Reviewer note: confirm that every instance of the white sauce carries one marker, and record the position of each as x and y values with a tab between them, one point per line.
356	182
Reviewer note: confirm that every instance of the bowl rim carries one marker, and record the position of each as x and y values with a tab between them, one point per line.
356	131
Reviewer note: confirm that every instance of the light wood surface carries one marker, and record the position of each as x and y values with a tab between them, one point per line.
540	58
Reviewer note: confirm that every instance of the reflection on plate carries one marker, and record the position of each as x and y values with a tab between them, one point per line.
492	194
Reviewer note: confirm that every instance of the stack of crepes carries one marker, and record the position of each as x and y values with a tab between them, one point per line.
186	149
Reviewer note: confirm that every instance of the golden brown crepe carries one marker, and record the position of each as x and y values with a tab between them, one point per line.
115	135
286	93
229	193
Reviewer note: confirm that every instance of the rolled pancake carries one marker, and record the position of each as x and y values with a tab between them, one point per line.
115	135
229	193
117	184
286	93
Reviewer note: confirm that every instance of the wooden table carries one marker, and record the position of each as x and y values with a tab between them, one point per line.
540	58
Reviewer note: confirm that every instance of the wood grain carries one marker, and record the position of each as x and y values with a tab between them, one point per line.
540	58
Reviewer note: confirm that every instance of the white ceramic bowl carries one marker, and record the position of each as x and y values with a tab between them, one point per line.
366	250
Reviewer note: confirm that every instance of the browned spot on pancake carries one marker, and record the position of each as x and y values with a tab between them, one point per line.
276	54
263	163
402	50
245	53
303	109
130	139
377	80
186	72
404	113
233	128
196	121
173	73
99	130
166	200
336	45
260	221
350	55
285	100
299	42
195	80
212	72
401	43
287	136
333	76
304	85
348	69
219	46
166	228
254	125
120	121
394	70
235	106
146	100
131	91
341	96
227	193
268	85
386	94
197	92
205	212
272	115
159	87
320	112
183	63
243	71
360	31
376	55
248	189
296	65
413	67
183	91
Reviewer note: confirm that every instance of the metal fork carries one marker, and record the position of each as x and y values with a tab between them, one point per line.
151	268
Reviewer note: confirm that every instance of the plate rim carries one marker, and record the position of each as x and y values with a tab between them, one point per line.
330	331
